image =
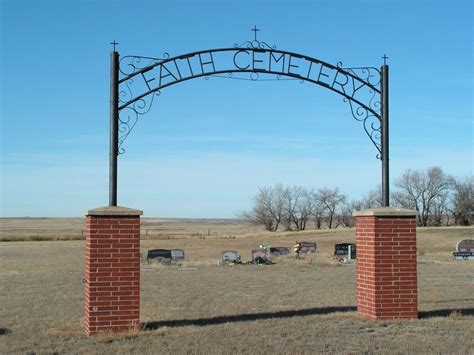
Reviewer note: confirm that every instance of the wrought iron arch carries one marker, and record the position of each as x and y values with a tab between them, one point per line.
137	80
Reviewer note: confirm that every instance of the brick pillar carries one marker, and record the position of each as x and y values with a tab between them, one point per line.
112	270
386	263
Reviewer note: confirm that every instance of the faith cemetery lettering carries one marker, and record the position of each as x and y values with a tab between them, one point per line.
254	61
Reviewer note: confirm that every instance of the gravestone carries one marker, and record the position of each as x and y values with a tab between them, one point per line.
177	254
230	256
345	249
352	252
259	254
464	250
159	255
463	255
341	249
307	247
278	251
465	245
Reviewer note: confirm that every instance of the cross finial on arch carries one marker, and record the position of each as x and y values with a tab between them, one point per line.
114	44
255	30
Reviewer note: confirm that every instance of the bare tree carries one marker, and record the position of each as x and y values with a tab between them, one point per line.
419	190
330	200
462	201
305	208
268	208
298	207
291	197
345	218
432	193
439	210
318	210
258	216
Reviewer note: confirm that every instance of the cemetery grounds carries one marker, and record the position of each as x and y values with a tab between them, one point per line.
294	306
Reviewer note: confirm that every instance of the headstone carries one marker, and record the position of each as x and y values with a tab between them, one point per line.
230	256
177	254
341	249
307	247
465	245
464	250
159	255
463	255
345	249
278	251
259	254
351	255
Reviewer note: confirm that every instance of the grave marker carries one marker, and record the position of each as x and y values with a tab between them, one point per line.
352	252
465	245
345	249
279	251
307	247
177	254
464	250
259	254
463	255
230	256
159	255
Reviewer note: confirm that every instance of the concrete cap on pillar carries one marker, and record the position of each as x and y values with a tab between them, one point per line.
114	211
385	211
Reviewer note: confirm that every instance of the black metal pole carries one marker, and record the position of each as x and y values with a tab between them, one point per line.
385	153
113	148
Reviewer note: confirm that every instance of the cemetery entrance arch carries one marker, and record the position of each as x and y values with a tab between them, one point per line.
136	81
385	237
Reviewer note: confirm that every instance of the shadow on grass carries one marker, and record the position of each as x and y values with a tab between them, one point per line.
245	317
446	312
4	331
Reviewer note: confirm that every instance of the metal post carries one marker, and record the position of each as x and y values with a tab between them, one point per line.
384	123
113	148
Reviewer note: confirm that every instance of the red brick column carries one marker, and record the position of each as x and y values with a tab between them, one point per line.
112	270
386	263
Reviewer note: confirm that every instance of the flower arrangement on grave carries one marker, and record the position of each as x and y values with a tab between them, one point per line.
265	246
297	248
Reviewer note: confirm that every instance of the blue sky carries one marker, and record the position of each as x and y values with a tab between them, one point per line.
206	145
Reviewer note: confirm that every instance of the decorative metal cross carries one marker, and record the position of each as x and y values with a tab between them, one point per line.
384	59
255	29
114	44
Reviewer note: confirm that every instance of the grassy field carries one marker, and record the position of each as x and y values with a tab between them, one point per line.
201	307
36	229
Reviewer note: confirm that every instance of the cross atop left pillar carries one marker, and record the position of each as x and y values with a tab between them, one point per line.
112	270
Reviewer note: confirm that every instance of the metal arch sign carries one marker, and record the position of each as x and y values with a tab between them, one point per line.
359	89
137	80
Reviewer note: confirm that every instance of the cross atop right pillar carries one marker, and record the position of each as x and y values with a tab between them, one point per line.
386	263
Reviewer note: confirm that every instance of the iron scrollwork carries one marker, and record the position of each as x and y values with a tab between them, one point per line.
371	121
129	115
255	44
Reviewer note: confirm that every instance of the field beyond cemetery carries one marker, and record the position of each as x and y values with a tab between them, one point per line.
293	306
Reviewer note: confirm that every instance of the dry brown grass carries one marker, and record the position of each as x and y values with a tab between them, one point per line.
48	229
200	307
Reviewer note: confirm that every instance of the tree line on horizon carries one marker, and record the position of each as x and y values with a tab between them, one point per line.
438	198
